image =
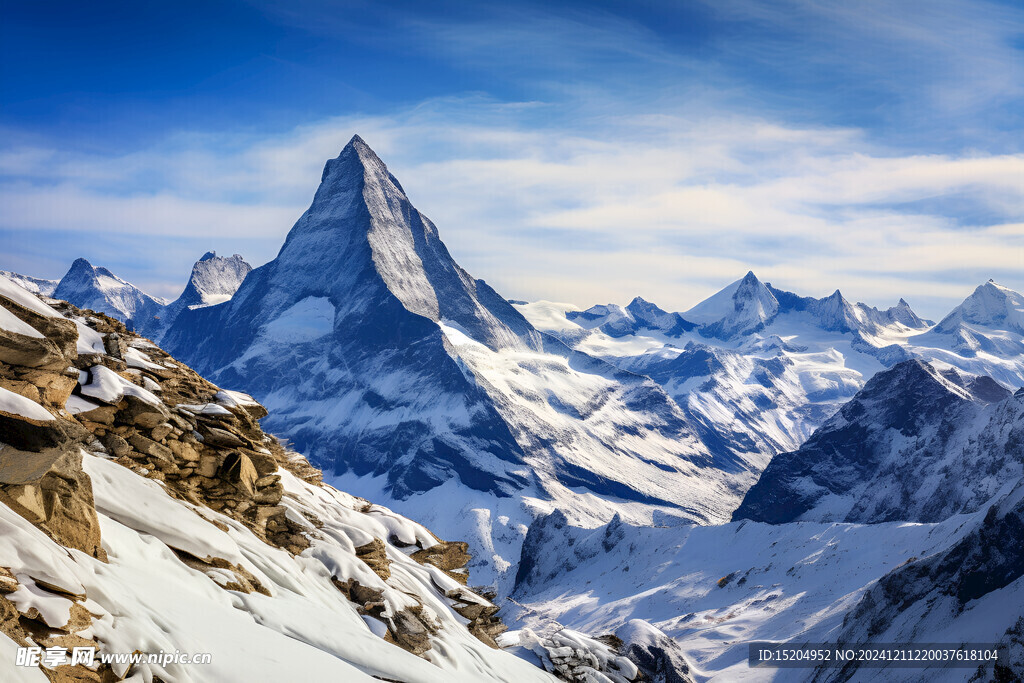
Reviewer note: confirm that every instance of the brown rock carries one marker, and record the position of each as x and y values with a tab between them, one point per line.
28	434
134	410
447	556
116	445
241	472
182	424
8	582
18	467
102	415
32	352
160	432
215	436
268	480
264	463
210	464
270	495
21	388
185	451
54	387
60	332
60	502
375	556
150	447
410	632
115	345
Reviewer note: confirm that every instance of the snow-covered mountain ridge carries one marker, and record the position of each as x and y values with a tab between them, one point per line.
930	459
757	369
915	444
96	288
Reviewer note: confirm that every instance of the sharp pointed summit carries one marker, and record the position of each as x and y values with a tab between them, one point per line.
96	288
748	307
991	305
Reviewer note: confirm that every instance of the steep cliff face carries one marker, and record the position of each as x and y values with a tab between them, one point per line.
144	509
915	444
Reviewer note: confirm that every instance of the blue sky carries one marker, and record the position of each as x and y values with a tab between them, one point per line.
582	152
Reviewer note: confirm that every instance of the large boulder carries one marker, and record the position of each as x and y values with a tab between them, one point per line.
50	489
18	344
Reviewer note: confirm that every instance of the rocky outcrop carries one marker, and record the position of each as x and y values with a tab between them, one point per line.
925	595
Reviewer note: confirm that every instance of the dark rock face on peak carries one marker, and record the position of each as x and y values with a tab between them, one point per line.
915	444
941	592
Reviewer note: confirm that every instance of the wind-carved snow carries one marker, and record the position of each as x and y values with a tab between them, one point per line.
304	629
715	589
15	404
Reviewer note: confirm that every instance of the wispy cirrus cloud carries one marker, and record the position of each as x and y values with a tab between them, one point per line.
667	207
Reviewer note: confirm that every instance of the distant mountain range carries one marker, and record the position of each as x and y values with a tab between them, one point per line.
400	374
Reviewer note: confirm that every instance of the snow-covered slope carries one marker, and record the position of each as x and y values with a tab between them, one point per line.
741	308
915	444
638	316
401	375
36	285
714	589
757	371
970	592
144	510
214	280
96	288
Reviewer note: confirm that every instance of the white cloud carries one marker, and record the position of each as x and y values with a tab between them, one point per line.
667	207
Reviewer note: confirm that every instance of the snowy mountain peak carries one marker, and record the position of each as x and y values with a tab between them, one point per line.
214	279
88	286
990	305
750	304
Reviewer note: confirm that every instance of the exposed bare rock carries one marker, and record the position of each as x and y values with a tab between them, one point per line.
244	581
8	582
449	556
206	448
50	490
375	555
29	434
